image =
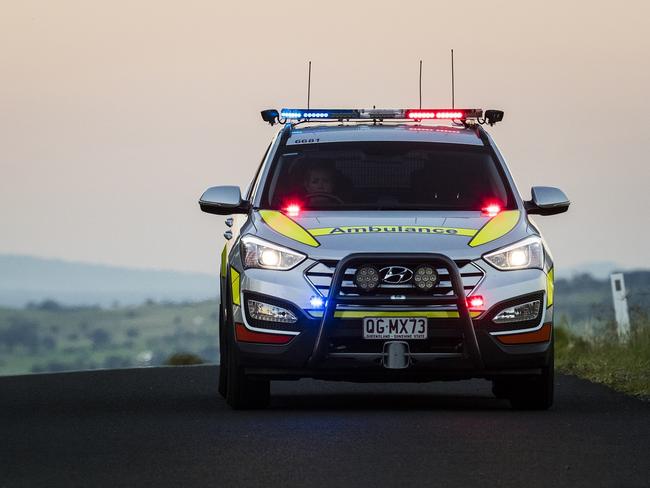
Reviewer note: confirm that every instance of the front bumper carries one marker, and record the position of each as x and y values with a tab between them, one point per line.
468	345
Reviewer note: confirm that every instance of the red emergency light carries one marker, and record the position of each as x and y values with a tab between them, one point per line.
421	114
292	210
491	209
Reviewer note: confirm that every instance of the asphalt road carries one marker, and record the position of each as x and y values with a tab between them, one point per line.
168	427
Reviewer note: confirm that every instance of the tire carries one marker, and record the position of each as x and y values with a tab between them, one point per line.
536	394
528	393
223	354
240	390
501	388
245	392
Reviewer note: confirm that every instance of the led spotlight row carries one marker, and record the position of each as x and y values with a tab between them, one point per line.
367	277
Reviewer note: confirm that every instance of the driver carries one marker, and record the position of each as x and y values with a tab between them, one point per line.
319	180
319	185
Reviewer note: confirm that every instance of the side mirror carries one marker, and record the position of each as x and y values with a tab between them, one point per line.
547	200
223	200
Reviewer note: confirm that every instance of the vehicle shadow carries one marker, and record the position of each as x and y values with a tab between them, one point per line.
386	401
316	395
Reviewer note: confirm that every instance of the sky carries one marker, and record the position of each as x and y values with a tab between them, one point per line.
115	116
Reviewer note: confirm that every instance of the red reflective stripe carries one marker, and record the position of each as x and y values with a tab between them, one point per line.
541	335
245	335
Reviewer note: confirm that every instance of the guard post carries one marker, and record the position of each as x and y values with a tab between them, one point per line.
620	306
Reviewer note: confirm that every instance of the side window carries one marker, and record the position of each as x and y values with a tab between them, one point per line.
249	191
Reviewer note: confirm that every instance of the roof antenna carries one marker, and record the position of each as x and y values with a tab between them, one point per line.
452	80
309	86
420	83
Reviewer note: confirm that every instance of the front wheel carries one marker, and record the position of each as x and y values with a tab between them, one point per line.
240	390
223	354
528	393
534	394
245	392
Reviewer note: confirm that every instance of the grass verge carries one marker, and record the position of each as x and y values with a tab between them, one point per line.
624	366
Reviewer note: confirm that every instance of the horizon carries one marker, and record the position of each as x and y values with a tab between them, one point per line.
34	280
577	269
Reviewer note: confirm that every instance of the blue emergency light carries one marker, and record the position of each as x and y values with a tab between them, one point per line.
307	114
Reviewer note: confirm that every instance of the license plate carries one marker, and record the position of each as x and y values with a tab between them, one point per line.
394	328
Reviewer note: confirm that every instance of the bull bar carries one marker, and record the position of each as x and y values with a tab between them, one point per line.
471	348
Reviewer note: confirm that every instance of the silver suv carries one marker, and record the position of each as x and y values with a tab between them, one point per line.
375	245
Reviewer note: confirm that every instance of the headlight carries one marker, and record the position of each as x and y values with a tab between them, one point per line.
258	253
525	254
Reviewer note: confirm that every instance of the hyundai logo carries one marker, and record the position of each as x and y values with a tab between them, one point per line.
394	275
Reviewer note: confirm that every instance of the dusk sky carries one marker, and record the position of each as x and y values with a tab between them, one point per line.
115	116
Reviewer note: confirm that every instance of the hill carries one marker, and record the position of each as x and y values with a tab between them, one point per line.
25	279
50	337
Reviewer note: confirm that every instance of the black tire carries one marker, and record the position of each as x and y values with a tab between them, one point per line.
240	390
501	388
528	393
223	353
245	392
535	394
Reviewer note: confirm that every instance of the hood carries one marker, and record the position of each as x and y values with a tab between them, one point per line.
335	234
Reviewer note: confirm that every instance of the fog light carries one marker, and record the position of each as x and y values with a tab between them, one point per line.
367	278
425	277
518	313
270	313
316	302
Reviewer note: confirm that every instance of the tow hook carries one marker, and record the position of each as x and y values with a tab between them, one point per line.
396	355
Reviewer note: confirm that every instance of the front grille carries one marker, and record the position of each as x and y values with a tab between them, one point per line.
320	276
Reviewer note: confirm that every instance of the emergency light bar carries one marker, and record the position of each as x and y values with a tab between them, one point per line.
289	115
378	113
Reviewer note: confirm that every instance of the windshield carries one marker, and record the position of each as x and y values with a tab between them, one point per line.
385	176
